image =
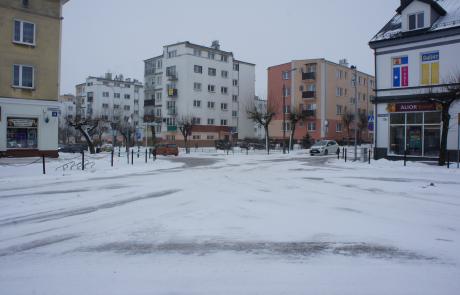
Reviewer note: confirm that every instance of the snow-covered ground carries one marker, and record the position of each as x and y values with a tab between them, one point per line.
211	223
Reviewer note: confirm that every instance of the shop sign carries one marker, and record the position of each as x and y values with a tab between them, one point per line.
412	107
432	56
22	122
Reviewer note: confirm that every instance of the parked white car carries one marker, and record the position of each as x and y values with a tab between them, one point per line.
324	147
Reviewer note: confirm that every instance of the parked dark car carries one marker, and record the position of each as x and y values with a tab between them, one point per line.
223	145
72	148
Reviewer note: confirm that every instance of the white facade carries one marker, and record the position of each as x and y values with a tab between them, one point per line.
430	61
111	100
203	83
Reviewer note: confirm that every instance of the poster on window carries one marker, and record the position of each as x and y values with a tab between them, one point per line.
401	72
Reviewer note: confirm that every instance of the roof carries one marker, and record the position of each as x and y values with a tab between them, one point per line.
450	19
433	4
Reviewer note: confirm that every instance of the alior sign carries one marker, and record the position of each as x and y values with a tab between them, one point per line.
412	107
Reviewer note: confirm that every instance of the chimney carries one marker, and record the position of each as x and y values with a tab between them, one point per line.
215	44
108	76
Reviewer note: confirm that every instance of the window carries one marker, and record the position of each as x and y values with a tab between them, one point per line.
159	64
105	94
235	82
211	104
234	113
223	122
196	137
416	21
224	74
197	86
89	84
136	101
224	58
171	71
339	91
22	133
127	85
401	71
198	69
236	67
23	76
116	106
286	126
172	53
127	96
126	108
311	87
197	103
210	121
235	98
286	75
338	127
211	71
196	52
338	109
286	91
211	55
430	68
24	32
211	88
311	68
196	121
158	96
116	95
210	137
224	90
105	105
287	109
223	106
311	126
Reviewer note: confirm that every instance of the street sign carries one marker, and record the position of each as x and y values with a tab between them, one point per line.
370	118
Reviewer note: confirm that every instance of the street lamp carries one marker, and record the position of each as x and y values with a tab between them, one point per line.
355	84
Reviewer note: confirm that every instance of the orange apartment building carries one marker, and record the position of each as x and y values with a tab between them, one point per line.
323	90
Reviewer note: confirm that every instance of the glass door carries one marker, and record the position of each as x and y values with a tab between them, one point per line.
432	141
414	140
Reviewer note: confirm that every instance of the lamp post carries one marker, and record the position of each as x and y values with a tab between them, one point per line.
284	119
355	82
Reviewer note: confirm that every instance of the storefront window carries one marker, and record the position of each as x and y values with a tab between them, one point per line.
416	133
22	133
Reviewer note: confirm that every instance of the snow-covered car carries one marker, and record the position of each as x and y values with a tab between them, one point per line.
324	147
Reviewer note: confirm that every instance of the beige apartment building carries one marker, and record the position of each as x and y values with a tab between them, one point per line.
29	76
324	91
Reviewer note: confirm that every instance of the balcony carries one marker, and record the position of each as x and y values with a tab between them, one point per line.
309	76
152	119
149	103
308	94
172	128
172	92
172	76
309	113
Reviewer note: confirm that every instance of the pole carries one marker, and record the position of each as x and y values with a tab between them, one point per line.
346	155
458	142
146	152
356	112
111	158
448	159
43	161
284	119
132	156
82	160
405	157
369	157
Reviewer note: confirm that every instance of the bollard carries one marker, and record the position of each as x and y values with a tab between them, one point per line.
345	155
132	157
127	155
369	157
146	152
111	159
448	160
405	157
138	151
119	155
82	160
338	153
43	160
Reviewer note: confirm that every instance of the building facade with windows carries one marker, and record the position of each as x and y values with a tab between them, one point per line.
111	100
207	85
323	91
29	76
416	55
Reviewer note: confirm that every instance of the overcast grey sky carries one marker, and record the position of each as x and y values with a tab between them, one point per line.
117	35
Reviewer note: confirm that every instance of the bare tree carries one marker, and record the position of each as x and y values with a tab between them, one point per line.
362	124
445	97
123	126
263	118
295	116
86	127
185	125
347	120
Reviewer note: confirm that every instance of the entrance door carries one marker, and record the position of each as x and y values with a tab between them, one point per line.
414	140
432	141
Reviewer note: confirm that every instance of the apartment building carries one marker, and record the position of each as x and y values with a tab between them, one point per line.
29	76
416	56
206	84
68	108
112	100
323	91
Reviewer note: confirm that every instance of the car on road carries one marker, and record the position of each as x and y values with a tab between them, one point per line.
72	148
324	147
223	144
168	149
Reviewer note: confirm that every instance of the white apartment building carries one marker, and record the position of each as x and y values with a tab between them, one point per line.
206	84
112	99
416	54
